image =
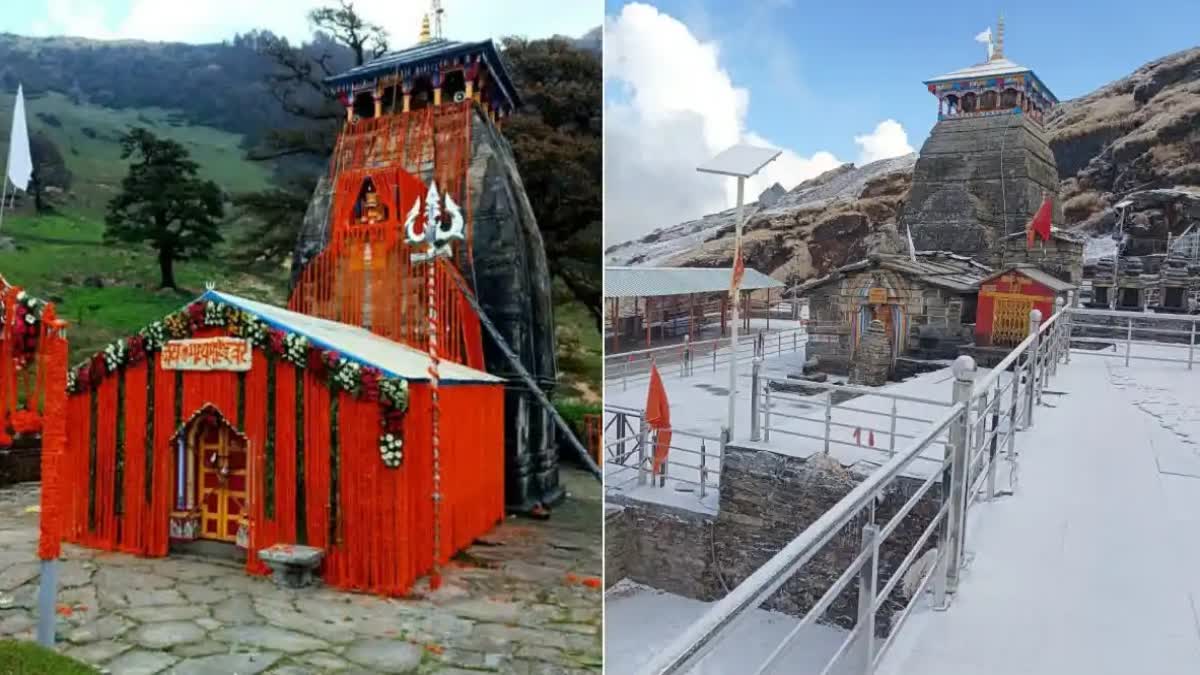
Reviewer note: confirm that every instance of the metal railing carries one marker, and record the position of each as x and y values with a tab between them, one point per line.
683	358
1120	329
982	418
777	404
629	443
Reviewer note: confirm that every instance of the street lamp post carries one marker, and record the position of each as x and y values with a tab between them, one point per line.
741	162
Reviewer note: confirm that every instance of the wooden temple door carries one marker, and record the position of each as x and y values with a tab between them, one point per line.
223	482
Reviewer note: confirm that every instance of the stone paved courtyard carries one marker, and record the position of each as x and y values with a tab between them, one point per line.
525	599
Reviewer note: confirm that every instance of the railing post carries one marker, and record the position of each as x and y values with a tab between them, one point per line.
828	417
1012	414
621	424
994	444
795	341
643	434
755	433
868	579
703	468
1191	344
892	430
714	353
1070	317
766	426
1058	325
687	356
960	430
1031	366
624	367
1128	341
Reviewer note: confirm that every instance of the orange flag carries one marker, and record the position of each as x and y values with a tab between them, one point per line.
739	269
1040	224
658	416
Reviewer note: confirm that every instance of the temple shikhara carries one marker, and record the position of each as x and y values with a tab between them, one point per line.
369	430
983	175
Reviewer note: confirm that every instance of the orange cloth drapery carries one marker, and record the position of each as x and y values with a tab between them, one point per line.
381	519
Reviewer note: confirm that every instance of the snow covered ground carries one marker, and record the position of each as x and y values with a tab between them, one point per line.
640	620
1090	567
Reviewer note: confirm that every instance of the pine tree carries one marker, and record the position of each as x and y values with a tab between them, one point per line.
164	203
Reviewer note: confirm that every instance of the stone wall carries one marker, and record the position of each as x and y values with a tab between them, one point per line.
1060	257
663	547
767	499
20	463
958	201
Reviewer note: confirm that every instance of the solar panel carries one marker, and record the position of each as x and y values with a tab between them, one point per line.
740	160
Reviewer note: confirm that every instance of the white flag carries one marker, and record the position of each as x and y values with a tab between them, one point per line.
20	163
986	38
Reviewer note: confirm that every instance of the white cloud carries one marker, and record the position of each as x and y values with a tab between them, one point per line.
681	108
677	107
888	140
215	20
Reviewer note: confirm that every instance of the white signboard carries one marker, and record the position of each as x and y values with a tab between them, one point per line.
218	353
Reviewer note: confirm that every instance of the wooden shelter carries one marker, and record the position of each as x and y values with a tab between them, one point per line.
1006	298
250	425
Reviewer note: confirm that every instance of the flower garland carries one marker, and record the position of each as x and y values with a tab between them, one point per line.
26	328
361	381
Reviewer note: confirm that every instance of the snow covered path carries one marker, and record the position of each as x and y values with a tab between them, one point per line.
1091	566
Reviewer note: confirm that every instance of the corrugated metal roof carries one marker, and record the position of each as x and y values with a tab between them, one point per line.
958	273
356	344
631	282
1044	278
993	68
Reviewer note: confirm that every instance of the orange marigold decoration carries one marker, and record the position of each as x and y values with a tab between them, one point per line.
26	422
53	363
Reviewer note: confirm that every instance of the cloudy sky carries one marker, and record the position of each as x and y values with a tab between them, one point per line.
827	82
216	20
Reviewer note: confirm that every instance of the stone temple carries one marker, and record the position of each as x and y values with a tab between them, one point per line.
986	166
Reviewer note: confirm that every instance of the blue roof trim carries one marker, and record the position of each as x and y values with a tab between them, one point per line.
219	297
423	58
1025	71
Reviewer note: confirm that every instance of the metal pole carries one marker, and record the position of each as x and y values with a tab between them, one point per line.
1128	340
47	590
828	417
643	439
868	579
964	381
733	341
1012	414
1031	366
993	446
766	427
755	433
1058	311
703	469
1070	317
892	431
687	356
1191	344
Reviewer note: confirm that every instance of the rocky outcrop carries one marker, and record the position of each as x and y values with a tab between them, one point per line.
1139	133
793	235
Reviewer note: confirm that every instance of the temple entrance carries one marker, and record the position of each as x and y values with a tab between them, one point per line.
222	487
889	315
211	481
1010	320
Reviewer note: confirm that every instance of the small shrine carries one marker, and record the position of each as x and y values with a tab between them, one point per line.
997	86
1006	299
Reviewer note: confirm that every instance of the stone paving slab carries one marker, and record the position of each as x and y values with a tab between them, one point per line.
515	602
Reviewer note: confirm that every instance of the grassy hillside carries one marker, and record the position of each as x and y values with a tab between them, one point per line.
88	138
108	292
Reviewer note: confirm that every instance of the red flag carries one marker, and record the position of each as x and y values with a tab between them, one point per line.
658	416
739	269
1040	224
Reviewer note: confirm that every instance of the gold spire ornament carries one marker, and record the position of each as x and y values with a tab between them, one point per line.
999	51
426	34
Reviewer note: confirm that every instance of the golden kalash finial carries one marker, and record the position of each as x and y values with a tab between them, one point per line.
998	53
426	34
